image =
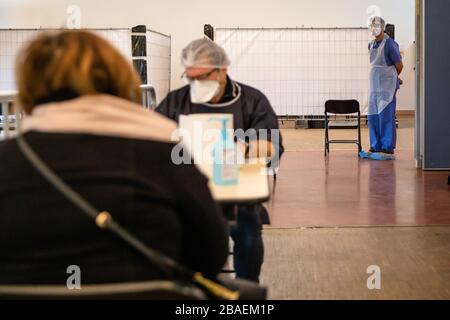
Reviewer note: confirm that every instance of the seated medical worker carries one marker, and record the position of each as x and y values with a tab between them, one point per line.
83	118
211	90
386	66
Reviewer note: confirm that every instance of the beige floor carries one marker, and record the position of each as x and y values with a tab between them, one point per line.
313	139
329	263
332	263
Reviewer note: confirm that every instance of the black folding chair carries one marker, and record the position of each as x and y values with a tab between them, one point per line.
342	107
152	290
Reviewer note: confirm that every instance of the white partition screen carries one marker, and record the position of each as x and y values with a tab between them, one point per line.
299	69
10	43
158	63
158	54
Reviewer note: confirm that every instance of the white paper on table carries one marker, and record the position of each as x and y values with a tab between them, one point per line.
199	135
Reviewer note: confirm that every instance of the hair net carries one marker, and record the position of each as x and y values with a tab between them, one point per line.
204	53
377	21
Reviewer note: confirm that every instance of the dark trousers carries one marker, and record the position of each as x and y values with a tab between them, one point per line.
248	245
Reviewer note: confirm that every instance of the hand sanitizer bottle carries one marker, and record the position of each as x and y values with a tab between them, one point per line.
225	167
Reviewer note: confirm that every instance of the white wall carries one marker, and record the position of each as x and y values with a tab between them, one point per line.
184	19
406	97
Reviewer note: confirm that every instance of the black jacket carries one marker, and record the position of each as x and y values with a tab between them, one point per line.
250	108
166	206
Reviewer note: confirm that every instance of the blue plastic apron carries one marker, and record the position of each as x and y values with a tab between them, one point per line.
382	102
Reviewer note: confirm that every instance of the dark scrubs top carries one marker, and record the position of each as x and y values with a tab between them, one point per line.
250	108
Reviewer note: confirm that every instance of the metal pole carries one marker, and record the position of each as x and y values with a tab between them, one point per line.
5	113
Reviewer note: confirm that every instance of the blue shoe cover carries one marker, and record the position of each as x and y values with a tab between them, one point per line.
376	156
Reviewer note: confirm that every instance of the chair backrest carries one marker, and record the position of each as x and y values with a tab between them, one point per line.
248	290
152	290
342	106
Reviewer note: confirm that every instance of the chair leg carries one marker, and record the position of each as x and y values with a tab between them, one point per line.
326	136
359	133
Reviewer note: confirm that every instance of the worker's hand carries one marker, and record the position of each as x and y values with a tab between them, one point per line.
261	149
242	149
257	149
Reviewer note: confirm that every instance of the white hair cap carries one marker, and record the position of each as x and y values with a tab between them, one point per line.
204	53
377	21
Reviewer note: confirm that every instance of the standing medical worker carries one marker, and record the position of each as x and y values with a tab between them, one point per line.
386	66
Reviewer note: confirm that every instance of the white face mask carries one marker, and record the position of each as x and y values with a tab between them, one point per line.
375	30
203	91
